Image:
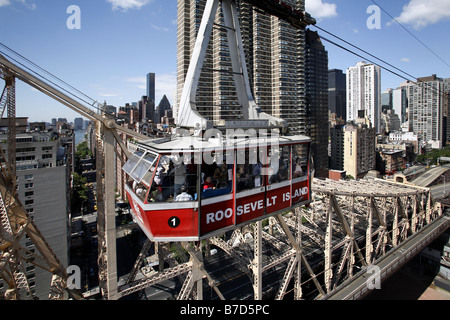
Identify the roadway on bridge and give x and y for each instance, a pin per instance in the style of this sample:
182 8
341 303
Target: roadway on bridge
430 176
358 287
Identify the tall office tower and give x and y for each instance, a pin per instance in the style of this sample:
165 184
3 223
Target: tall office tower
146 109
337 93
78 124
151 95
364 92
275 62
426 101
386 100
400 102
316 79
160 111
151 86
43 180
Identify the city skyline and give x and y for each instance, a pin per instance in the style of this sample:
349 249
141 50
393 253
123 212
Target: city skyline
119 43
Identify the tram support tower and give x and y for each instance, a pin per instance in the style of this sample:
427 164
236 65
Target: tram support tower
106 217
253 117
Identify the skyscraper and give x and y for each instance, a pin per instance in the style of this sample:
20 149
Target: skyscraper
316 78
337 93
43 187
426 100
151 97
400 102
151 86
364 92
275 63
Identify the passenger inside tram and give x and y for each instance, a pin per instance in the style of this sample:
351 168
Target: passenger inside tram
279 164
218 177
208 184
300 165
243 177
297 168
171 176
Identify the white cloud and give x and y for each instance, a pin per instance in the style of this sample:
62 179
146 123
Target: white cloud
141 82
160 28
31 6
420 13
166 85
4 3
108 95
318 9
405 60
124 5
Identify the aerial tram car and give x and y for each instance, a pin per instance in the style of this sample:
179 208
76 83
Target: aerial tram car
209 178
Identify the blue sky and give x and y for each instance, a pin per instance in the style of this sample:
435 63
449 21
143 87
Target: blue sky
120 41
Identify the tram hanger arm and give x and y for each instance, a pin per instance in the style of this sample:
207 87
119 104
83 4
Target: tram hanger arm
285 12
67 101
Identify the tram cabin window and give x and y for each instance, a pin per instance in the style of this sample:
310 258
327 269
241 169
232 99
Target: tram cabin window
299 160
172 175
140 190
139 164
279 164
249 170
217 177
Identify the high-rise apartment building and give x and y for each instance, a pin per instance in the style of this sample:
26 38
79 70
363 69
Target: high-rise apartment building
426 100
353 147
446 108
364 92
316 79
43 182
275 60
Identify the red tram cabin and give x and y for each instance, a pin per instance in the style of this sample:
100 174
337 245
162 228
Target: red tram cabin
199 190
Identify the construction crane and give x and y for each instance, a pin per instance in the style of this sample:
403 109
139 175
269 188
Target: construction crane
15 222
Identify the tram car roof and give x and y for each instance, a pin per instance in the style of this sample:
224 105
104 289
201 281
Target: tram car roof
236 141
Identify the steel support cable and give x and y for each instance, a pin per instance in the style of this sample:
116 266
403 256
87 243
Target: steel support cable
43 78
414 36
366 52
437 90
38 75
47 72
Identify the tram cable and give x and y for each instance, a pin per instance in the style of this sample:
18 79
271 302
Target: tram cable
366 52
93 104
413 35
415 81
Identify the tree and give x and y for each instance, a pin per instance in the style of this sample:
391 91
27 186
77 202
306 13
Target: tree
80 186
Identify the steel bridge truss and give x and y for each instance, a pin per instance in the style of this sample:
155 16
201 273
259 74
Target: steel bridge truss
345 230
16 224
